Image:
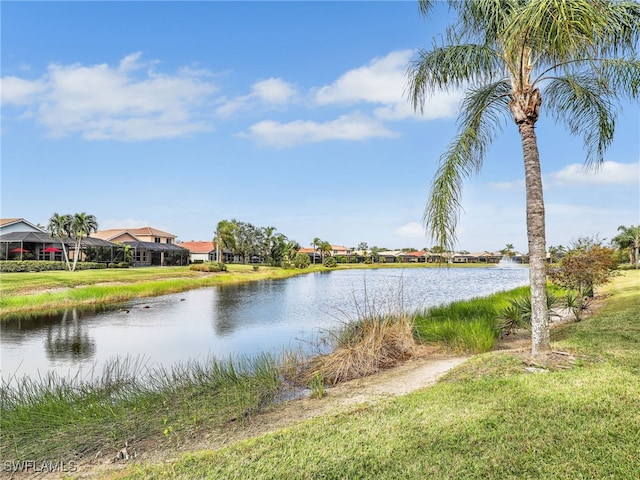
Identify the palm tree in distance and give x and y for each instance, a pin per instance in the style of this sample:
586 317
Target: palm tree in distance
316 244
629 238
59 227
81 225
509 55
325 249
224 238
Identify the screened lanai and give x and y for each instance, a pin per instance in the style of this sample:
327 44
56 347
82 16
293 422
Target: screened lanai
154 253
41 246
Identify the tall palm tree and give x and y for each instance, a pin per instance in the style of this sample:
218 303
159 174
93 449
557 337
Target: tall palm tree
629 238
325 249
59 227
578 55
316 244
225 237
81 225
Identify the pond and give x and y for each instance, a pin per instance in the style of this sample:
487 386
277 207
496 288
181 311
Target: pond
251 318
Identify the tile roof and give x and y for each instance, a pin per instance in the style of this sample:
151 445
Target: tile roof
8 221
198 247
146 231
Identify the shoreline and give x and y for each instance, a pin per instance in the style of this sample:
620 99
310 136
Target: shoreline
37 293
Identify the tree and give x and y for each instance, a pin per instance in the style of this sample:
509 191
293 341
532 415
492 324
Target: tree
224 237
578 55
556 252
81 225
59 227
586 264
629 239
508 250
316 244
325 249
292 250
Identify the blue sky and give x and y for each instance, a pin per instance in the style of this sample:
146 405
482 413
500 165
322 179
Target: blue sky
177 115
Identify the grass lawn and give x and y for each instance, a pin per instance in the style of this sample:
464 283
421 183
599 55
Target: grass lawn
495 417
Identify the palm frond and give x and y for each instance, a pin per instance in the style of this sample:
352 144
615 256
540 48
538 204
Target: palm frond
621 76
483 114
583 104
558 30
449 67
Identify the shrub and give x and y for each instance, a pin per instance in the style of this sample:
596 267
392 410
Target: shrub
330 262
586 265
517 314
301 260
9 266
209 267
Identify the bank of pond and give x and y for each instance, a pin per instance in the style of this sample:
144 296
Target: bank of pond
74 414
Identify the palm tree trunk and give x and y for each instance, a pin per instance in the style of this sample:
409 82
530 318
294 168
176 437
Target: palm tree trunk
540 339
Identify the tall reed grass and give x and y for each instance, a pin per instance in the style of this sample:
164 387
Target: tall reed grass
468 326
74 417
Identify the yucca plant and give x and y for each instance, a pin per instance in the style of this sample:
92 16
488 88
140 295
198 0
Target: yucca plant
517 315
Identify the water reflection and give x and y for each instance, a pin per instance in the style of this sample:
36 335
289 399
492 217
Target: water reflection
67 340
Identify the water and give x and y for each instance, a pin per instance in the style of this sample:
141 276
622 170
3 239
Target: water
266 316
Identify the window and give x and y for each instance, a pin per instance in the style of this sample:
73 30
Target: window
140 256
168 240
157 240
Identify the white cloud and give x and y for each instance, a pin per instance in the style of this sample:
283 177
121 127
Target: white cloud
383 81
347 127
609 174
127 103
18 91
270 92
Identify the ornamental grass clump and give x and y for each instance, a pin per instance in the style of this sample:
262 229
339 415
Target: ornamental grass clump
364 347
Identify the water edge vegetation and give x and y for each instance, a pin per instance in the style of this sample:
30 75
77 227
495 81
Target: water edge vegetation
33 292
572 415
54 417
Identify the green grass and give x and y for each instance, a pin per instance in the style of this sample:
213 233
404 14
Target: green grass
39 292
68 418
488 419
35 292
468 326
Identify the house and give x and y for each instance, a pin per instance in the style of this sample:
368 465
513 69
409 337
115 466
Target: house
314 256
389 256
415 257
10 225
200 251
22 240
340 250
149 246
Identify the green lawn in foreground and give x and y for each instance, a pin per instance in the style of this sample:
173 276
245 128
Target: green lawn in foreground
488 419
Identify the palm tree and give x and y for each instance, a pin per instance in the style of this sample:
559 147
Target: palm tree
81 226
325 249
629 238
316 244
269 234
224 237
578 55
59 227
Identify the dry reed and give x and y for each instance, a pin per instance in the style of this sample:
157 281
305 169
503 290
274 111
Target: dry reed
364 348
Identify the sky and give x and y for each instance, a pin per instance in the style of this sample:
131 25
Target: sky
177 115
